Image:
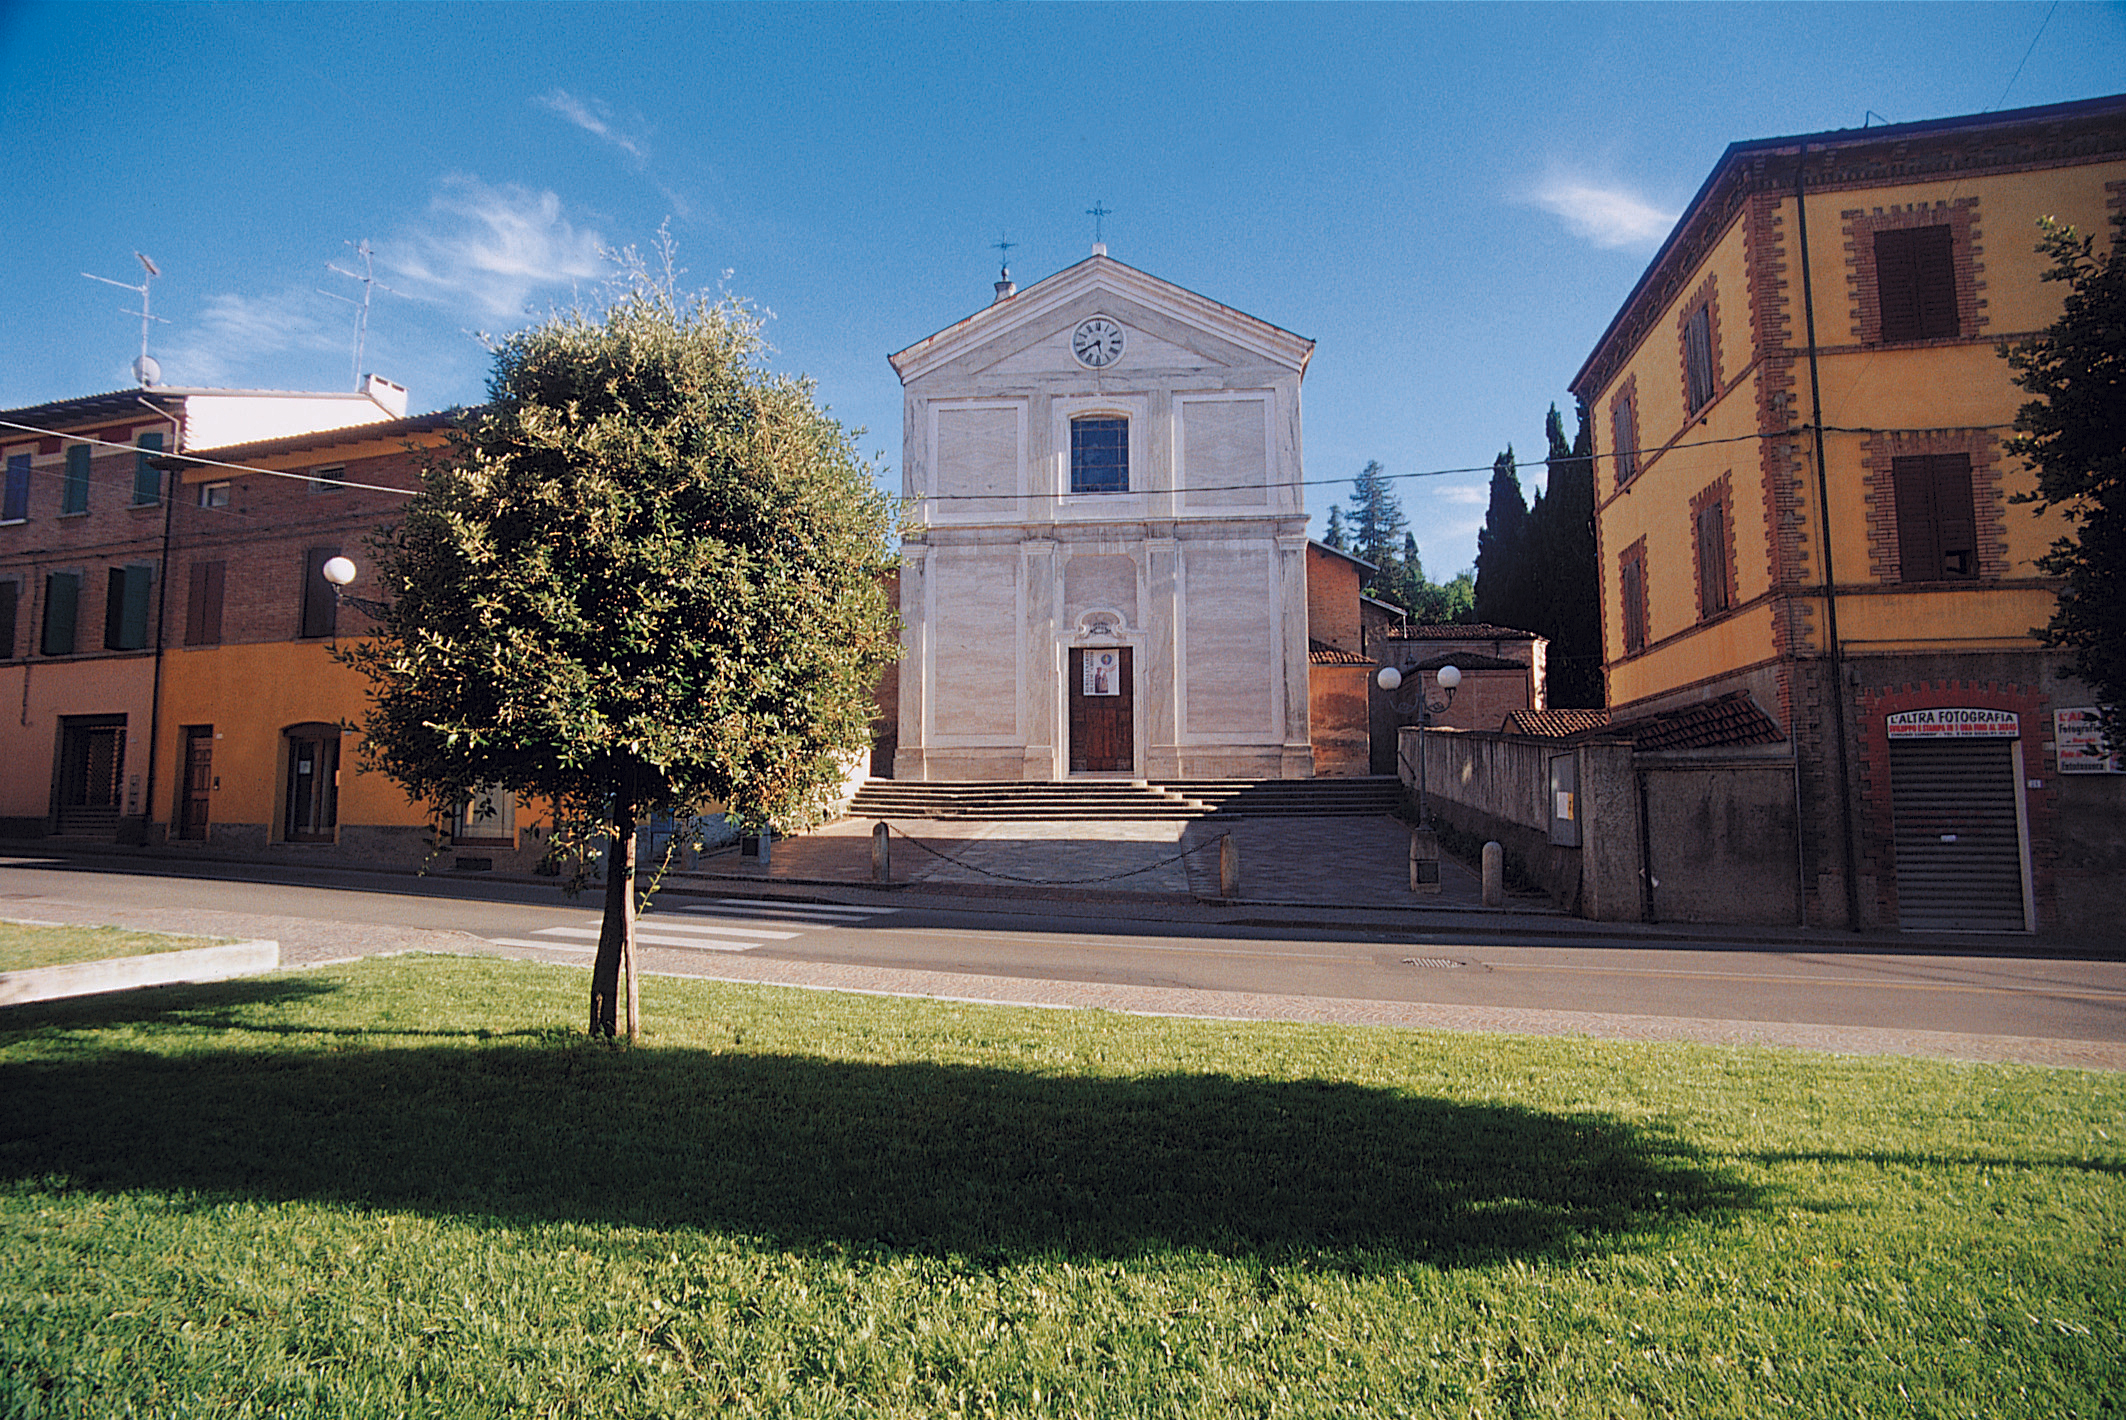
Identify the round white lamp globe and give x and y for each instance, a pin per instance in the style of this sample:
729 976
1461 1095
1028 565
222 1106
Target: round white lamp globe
339 571
1449 677
1389 678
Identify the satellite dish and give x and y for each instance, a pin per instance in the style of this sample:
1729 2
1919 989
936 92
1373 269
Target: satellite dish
147 371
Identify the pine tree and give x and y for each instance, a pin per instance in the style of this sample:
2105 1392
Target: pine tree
1377 524
1334 535
1571 613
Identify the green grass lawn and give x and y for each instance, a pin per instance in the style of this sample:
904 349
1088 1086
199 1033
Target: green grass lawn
412 1187
24 945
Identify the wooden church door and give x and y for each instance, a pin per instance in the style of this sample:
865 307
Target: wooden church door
1102 711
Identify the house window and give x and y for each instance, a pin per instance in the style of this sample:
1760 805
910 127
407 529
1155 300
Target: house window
1099 455
1624 429
313 805
125 607
1937 525
74 492
321 605
1713 594
328 480
489 816
214 495
10 598
1631 583
147 479
15 501
1915 283
203 605
1700 378
62 599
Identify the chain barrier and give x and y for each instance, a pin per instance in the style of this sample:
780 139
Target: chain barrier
1048 882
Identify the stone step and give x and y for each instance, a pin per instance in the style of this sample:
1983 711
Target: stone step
1095 801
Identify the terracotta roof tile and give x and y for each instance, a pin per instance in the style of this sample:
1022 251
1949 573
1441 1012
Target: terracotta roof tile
1321 653
1481 631
1555 724
1729 720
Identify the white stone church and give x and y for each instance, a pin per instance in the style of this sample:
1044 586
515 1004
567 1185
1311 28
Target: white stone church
1104 572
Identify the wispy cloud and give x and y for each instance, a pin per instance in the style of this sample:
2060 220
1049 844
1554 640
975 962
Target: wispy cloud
595 118
246 340
493 248
1608 216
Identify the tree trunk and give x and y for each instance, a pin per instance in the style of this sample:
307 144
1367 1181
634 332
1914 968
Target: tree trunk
616 935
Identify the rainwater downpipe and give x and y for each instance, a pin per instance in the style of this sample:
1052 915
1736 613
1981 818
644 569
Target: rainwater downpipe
1830 579
162 617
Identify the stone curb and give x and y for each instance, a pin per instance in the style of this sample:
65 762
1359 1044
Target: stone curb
91 978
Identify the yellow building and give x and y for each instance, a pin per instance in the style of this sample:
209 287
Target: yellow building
1802 494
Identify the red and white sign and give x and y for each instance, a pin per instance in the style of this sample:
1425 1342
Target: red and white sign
2081 742
1955 724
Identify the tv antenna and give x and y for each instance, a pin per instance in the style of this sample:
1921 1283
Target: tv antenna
367 276
145 369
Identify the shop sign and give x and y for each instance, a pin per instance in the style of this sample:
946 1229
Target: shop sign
1955 724
2081 740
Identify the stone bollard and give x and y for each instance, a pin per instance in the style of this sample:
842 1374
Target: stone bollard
1228 866
1424 860
1494 875
881 853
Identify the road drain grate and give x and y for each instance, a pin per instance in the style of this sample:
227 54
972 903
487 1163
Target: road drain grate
1432 961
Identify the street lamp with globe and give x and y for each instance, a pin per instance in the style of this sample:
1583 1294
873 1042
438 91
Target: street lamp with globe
1411 700
340 572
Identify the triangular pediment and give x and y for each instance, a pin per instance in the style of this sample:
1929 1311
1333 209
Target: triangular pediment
1166 325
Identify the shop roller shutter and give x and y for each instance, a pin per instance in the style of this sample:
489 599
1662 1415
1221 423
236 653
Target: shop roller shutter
1959 854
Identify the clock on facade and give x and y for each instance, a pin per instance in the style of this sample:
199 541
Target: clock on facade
1097 342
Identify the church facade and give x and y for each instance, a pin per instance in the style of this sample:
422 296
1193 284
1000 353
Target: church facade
1104 565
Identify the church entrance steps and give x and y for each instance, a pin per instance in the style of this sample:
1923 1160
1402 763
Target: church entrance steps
1111 801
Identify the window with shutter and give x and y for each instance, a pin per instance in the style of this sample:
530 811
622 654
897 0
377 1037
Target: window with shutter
15 502
1698 358
1624 428
10 594
147 479
125 607
1915 283
320 606
62 600
203 606
1712 559
1937 525
74 493
1632 583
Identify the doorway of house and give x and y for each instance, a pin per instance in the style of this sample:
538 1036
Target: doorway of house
195 794
91 767
1958 836
1102 711
313 784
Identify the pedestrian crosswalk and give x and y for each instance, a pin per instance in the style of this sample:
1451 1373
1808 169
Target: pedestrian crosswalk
730 924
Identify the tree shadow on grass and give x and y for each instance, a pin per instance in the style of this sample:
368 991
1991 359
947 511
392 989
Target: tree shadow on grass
803 1152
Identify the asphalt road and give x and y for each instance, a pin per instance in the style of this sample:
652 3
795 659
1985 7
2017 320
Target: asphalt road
1365 967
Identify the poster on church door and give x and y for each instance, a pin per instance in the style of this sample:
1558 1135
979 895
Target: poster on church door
1103 673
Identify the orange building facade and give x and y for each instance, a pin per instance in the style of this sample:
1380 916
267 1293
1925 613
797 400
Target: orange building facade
1802 493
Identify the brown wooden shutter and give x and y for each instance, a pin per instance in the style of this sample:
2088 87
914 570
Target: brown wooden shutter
1937 529
8 593
1915 283
1712 559
320 607
203 609
1698 357
1633 584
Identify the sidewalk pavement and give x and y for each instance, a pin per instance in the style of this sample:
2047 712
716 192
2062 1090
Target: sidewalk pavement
1358 863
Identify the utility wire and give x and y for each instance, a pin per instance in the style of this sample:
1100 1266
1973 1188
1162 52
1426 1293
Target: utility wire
206 462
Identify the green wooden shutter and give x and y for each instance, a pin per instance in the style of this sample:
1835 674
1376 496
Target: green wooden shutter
147 479
75 498
62 598
9 591
15 503
125 608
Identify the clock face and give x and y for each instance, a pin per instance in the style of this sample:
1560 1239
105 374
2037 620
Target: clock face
1097 342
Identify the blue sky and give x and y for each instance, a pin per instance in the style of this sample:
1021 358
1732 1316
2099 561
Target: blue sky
1451 200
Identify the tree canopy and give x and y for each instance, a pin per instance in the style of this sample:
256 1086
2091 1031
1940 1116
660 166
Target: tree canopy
645 577
2073 434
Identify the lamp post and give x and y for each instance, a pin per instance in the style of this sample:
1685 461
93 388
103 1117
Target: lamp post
1412 701
340 571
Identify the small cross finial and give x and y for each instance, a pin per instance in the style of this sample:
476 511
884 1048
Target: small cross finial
1004 247
1098 211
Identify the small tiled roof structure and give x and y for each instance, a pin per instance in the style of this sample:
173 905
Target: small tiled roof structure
1321 653
1555 724
1724 722
1477 631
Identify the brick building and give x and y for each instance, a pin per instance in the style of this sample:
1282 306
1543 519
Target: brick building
1802 497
